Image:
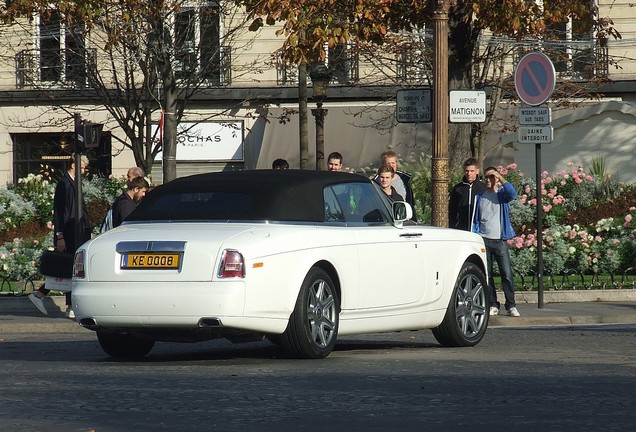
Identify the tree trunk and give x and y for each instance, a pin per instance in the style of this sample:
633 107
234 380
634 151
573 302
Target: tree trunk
169 158
302 116
462 44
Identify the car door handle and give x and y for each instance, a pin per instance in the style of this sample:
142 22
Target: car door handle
411 235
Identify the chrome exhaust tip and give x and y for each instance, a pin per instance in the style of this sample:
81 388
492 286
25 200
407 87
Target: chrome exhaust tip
210 323
88 323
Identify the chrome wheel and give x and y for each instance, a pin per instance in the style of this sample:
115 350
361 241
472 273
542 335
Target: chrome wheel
321 313
466 318
471 306
313 326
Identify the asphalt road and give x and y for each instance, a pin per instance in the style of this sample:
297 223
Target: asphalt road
558 378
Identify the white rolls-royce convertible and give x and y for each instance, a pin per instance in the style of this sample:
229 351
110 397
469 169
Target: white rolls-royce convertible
296 257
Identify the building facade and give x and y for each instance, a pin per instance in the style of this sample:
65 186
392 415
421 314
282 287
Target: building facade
243 112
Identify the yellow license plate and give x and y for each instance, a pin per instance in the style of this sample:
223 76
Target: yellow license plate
150 261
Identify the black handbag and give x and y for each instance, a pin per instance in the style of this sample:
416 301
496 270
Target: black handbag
57 264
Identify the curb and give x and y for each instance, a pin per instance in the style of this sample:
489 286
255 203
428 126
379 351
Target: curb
21 305
505 321
573 296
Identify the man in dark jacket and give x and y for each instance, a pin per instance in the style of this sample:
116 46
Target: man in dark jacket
64 224
462 197
129 199
401 180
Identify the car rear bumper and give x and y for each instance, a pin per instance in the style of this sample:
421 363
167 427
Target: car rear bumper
168 305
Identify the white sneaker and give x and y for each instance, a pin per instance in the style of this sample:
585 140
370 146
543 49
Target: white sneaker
494 311
69 312
513 312
38 303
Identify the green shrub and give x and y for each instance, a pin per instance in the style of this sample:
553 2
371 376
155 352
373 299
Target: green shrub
606 246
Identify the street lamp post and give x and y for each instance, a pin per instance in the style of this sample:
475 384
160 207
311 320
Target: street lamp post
320 78
440 169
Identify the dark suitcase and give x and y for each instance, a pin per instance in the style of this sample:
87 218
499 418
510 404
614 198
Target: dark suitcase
57 264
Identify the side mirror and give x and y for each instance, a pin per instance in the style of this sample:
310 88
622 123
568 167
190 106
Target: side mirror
401 211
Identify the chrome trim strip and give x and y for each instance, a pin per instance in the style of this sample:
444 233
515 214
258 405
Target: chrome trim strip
150 246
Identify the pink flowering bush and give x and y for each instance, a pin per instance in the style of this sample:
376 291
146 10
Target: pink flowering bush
607 246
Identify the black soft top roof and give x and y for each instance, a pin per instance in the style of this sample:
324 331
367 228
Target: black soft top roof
276 195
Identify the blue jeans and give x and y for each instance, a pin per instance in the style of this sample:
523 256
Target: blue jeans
497 250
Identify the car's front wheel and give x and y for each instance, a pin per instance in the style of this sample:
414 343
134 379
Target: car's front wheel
466 318
124 345
313 326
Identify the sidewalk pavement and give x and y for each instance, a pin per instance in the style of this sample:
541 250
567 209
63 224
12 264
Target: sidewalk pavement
18 315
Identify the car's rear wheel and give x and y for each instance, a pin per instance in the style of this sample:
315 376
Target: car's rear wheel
124 345
313 326
466 318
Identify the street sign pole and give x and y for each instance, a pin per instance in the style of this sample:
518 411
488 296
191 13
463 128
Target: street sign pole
535 80
539 271
77 155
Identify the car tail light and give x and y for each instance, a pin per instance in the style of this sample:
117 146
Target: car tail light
232 265
78 265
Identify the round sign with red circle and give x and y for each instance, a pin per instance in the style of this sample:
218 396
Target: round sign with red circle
535 78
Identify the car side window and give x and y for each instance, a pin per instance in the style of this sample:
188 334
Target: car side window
361 203
333 211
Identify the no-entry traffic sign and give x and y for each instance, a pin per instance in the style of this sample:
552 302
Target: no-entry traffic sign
535 78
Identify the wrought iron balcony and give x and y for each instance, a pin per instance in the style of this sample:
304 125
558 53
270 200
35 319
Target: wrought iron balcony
343 64
54 68
574 60
66 69
216 70
414 67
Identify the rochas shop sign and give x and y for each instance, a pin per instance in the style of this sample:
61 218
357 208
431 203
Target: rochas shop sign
209 141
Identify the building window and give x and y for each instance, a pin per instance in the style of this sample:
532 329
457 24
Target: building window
573 49
198 51
342 61
50 154
414 57
286 72
60 56
62 51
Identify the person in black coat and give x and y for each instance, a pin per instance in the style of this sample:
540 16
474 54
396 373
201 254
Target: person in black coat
64 224
462 198
129 199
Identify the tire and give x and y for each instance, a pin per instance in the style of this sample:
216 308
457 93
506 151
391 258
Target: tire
124 345
275 339
313 326
466 318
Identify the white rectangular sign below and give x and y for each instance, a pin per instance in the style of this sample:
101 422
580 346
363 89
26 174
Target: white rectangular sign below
467 106
535 134
58 284
535 116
